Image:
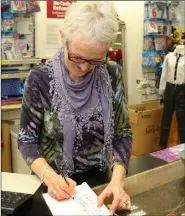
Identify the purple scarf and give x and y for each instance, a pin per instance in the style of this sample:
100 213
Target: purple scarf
81 100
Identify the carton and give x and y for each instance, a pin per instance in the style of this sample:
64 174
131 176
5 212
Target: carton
145 120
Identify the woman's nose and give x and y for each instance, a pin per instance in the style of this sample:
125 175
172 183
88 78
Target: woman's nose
85 66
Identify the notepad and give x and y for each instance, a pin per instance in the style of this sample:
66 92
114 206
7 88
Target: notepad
84 203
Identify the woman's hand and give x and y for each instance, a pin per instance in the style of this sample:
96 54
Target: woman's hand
58 188
121 199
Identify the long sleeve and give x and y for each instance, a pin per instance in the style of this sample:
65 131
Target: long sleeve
122 144
31 120
163 80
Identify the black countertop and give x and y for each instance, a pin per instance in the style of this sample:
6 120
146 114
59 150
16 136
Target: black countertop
37 206
144 162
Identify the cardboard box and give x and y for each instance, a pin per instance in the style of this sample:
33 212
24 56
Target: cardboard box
145 120
173 139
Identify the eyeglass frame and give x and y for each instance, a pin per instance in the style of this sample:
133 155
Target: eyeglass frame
104 62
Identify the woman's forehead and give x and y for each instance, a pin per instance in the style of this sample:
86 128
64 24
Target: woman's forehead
86 47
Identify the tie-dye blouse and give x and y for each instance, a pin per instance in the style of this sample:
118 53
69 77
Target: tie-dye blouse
41 134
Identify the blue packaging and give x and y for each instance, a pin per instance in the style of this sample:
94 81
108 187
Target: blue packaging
7 23
149 58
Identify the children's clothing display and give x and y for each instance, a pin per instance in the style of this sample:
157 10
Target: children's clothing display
172 86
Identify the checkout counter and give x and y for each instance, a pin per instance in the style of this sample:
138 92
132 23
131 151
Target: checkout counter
153 185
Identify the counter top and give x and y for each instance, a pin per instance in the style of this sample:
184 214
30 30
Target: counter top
138 167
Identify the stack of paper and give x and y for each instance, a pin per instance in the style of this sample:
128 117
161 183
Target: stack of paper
84 203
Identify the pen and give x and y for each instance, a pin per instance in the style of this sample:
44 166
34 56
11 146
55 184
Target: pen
63 176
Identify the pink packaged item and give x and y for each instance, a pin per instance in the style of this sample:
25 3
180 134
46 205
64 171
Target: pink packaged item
151 27
149 43
153 11
18 7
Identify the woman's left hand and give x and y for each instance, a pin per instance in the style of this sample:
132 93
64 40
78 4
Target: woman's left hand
121 199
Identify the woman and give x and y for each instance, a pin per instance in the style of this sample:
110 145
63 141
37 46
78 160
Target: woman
74 119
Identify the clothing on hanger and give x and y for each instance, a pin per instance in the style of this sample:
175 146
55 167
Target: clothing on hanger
173 70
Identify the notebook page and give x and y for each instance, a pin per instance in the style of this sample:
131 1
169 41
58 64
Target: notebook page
84 203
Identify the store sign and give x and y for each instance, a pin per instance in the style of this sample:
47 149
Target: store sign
57 9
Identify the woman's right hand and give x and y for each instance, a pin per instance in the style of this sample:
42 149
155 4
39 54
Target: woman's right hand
58 188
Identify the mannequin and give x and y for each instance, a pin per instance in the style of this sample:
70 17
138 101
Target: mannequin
172 89
180 48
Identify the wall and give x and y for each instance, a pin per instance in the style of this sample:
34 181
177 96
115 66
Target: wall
182 14
47 37
131 12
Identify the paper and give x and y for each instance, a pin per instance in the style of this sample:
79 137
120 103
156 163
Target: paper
21 183
84 203
169 154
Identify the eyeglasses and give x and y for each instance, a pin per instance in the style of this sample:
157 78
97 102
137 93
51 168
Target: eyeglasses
82 60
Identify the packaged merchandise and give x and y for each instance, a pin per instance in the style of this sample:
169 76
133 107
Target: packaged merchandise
160 26
5 5
149 58
7 44
21 46
150 27
172 12
160 42
161 11
32 6
164 31
18 7
156 10
153 12
7 25
149 43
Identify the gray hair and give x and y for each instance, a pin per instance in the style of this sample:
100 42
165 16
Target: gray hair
92 19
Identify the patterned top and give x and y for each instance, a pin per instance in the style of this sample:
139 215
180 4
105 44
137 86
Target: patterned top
41 134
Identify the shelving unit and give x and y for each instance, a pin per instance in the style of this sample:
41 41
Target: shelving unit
158 20
21 62
16 75
120 43
23 67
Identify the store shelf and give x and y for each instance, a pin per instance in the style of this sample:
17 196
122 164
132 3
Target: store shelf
15 75
117 44
11 107
154 34
19 62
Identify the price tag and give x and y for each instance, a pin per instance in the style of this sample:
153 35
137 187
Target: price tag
4 76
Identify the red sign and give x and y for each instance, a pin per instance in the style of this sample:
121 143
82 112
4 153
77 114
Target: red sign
57 9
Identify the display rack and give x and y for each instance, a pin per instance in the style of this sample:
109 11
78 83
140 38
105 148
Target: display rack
23 67
21 62
158 20
15 64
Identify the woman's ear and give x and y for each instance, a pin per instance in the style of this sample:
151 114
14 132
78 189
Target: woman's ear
62 36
